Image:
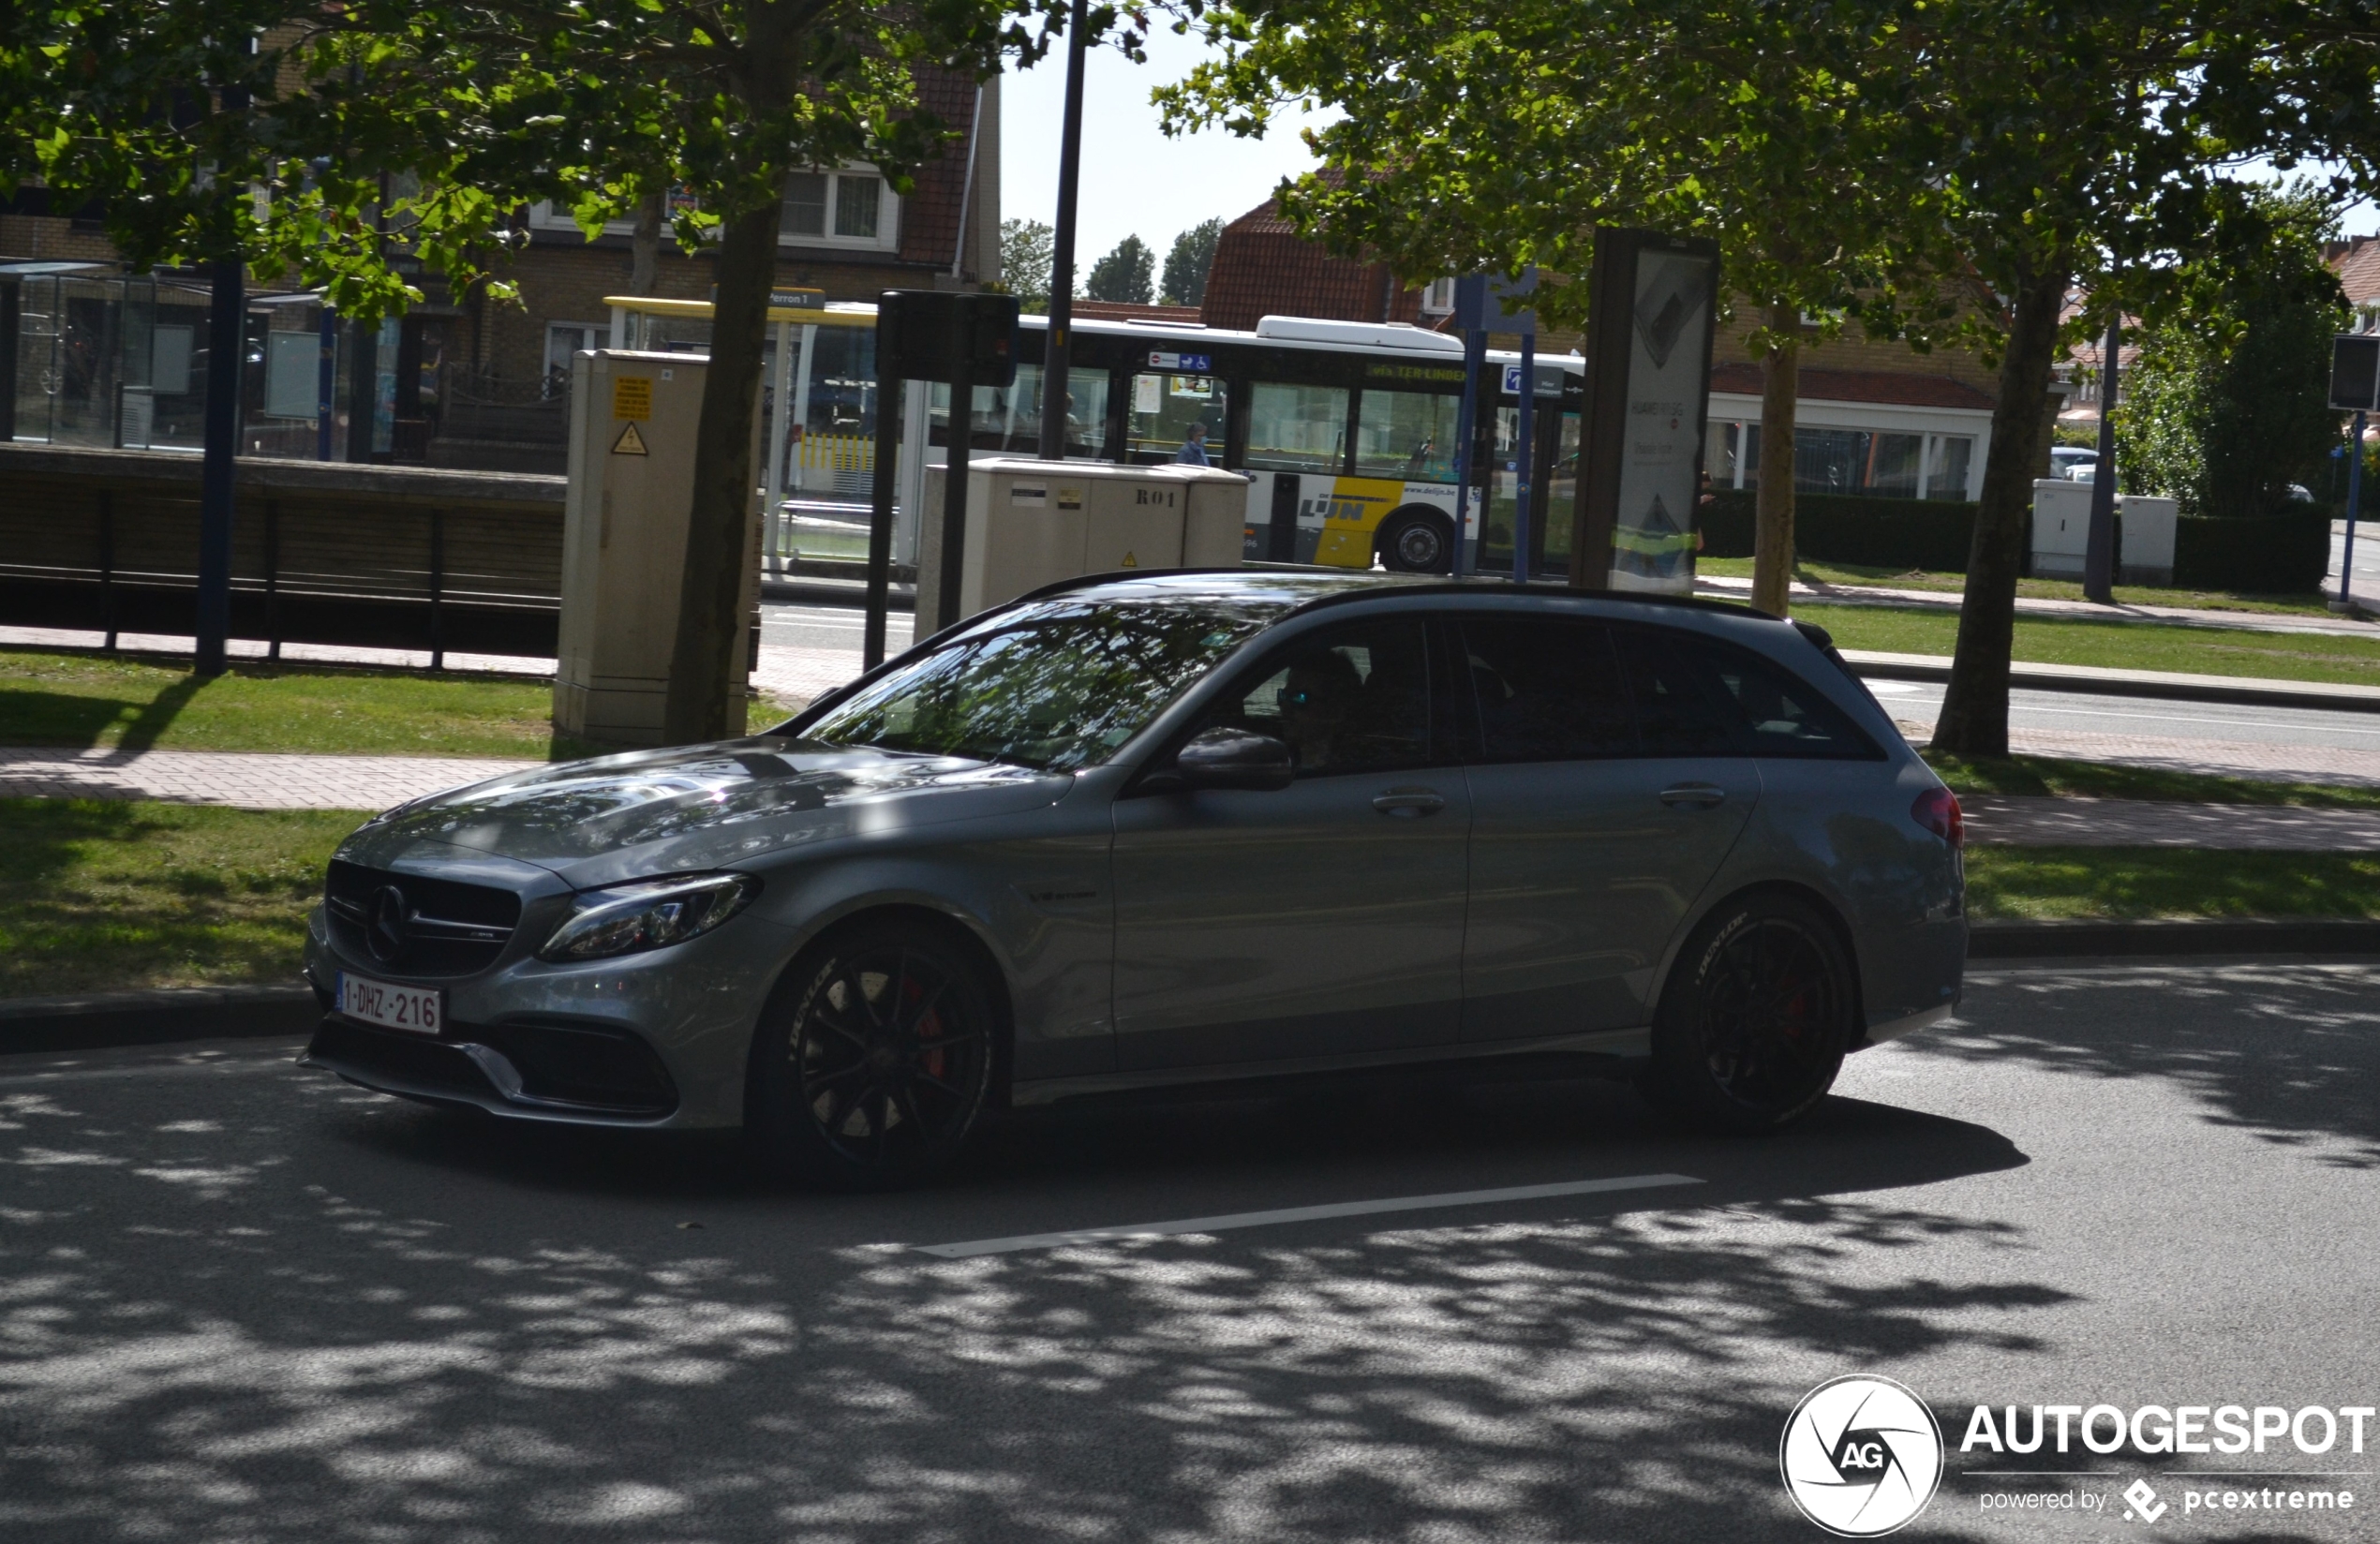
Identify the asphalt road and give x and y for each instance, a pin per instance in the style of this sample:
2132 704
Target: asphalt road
240 1300
2081 712
818 625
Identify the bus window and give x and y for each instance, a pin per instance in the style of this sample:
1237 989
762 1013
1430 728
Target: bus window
1405 435
1162 409
1007 419
1297 428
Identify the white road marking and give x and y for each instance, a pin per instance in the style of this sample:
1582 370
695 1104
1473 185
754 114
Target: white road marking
1299 1214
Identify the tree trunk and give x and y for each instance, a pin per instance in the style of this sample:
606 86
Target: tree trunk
645 247
710 612
1974 717
1773 506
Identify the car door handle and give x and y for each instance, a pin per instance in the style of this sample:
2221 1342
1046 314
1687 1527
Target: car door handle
1703 795
1410 803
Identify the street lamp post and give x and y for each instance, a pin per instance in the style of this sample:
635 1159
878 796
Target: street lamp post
2355 504
1062 263
2099 549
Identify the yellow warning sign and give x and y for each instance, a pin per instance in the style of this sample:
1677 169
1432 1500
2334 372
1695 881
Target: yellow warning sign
630 443
632 396
1130 561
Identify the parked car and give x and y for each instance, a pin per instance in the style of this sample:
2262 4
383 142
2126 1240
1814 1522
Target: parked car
2073 462
1159 829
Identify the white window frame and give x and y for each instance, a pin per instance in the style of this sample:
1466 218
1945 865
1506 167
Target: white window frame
888 236
546 216
1875 418
1437 298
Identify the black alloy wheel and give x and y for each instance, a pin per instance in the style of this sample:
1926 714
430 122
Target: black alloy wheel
875 1071
1756 1019
1418 543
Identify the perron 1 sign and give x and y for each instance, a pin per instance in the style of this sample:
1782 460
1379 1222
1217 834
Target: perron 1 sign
1648 371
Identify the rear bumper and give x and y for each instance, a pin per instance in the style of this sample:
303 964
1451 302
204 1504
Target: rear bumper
569 1073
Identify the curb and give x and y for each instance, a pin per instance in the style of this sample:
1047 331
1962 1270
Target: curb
103 1020
2245 690
2173 936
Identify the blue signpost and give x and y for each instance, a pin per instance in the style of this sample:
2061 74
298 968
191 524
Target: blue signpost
2355 387
1470 318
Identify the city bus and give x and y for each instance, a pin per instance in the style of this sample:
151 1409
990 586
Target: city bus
1345 430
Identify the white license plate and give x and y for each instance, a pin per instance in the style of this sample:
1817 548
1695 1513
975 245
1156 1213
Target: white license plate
417 1009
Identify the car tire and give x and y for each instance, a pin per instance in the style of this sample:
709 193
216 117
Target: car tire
873 1060
1753 1024
1420 543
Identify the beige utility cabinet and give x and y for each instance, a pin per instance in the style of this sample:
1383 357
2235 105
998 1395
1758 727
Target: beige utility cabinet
1033 523
624 525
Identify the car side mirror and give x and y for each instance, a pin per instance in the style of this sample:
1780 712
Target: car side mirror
1233 758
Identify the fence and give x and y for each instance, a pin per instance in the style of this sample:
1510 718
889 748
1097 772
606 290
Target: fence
323 553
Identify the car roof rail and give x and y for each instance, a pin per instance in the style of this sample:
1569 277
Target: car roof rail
1475 585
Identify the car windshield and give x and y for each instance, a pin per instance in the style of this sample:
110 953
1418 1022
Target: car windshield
1056 685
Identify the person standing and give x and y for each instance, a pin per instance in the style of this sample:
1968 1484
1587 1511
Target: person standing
1194 446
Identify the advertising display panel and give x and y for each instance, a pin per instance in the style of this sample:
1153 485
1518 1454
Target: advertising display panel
1648 388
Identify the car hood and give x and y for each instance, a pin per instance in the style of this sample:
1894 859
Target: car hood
697 807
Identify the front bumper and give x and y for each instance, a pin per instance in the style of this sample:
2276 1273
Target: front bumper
659 1039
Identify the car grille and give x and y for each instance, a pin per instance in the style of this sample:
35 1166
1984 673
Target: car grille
447 927
583 1069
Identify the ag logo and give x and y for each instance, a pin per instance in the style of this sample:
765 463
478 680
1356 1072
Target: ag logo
1861 1456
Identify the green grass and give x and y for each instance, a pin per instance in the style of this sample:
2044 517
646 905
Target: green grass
2124 645
2048 882
94 699
110 894
2049 777
1860 574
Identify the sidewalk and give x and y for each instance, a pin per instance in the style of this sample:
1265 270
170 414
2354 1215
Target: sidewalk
2113 681
1723 589
1999 820
238 779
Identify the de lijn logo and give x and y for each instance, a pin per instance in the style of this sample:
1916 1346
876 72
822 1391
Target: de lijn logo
1861 1456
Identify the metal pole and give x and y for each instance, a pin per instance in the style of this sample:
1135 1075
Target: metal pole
2099 548
1062 263
2355 505
953 477
225 347
879 521
1466 425
1527 464
326 384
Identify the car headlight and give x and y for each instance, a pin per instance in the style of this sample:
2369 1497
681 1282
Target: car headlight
651 914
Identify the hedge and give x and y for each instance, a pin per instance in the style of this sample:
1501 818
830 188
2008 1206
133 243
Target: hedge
2271 554
2262 555
1933 534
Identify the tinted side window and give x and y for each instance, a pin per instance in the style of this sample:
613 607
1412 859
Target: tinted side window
1701 697
1677 709
1352 699
1548 688
1779 713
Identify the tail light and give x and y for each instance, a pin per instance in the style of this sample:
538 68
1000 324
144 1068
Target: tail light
1936 810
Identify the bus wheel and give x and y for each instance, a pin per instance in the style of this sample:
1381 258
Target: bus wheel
1420 543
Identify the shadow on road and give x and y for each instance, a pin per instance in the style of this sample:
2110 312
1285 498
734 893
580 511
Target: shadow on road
274 1308
2289 1052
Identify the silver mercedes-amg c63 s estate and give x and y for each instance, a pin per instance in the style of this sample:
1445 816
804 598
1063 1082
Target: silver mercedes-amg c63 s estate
1155 829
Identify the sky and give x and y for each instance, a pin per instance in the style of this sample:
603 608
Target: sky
1135 179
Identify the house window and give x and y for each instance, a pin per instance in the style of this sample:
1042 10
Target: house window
1437 298
850 208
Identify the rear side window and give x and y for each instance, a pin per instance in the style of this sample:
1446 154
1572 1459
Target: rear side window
1548 688
1723 700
